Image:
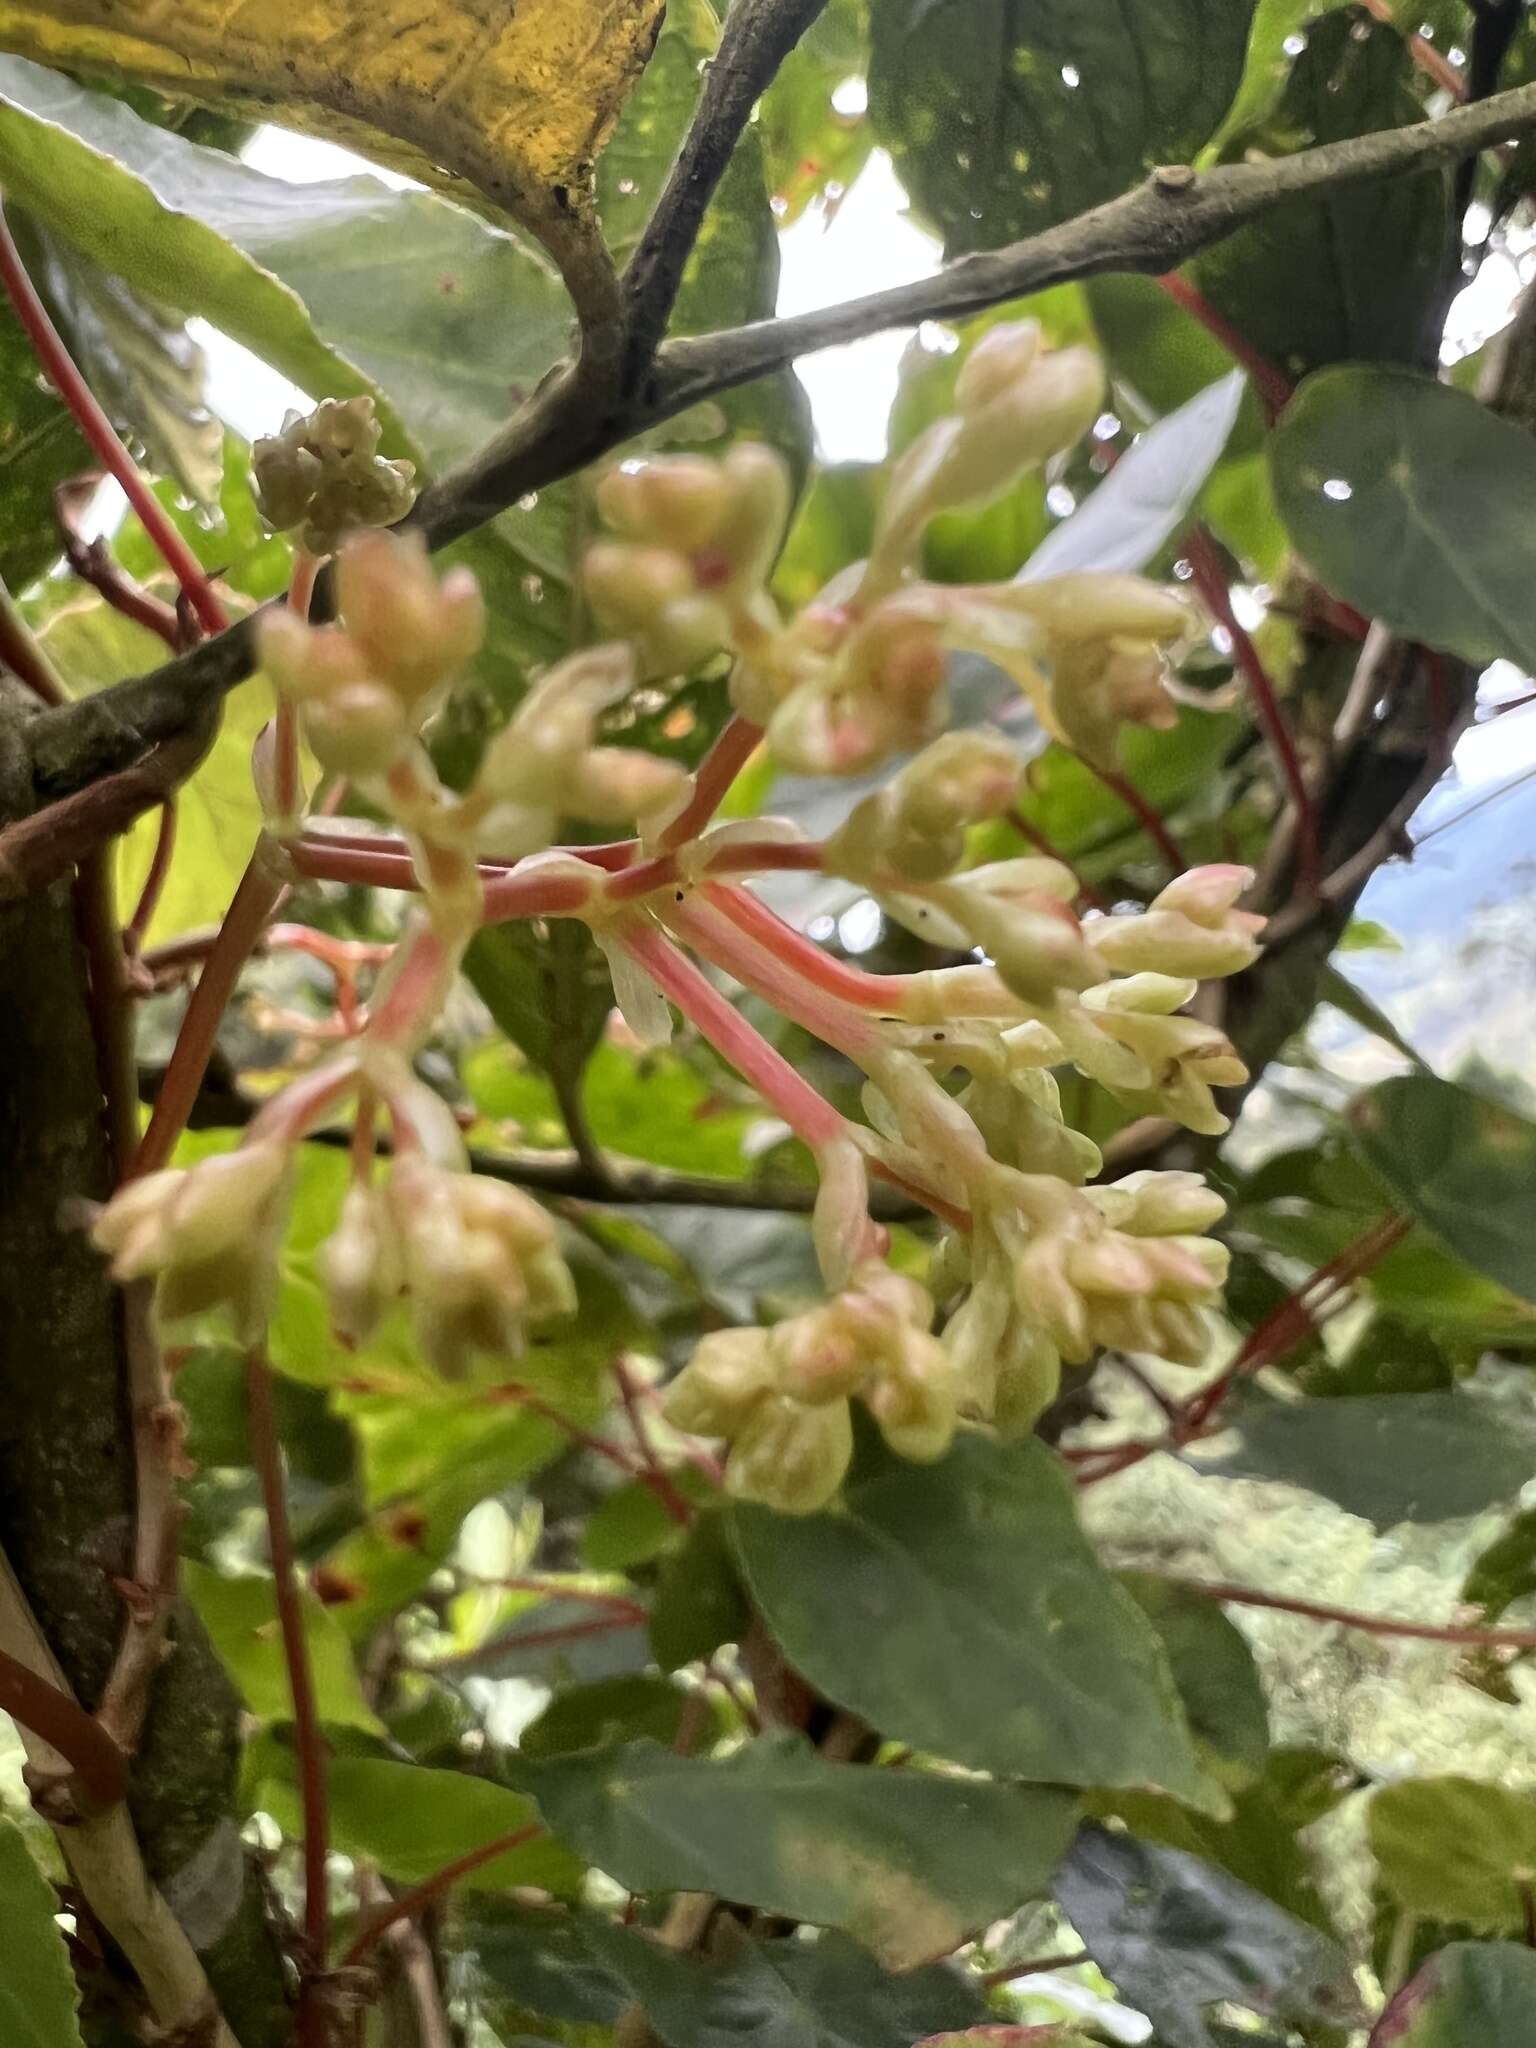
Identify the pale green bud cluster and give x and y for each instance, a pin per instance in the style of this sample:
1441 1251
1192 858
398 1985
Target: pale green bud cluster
915 826
208 1235
365 686
1193 927
780 1397
324 476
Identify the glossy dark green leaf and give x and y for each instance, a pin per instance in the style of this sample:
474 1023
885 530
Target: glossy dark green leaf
747 1261
699 1603
411 1821
775 1994
1456 1850
783 1994
1355 273
1413 503
1470 1995
39 1999
910 1863
550 996
1175 1936
1007 115
607 1710
1212 1666
1002 1641
1464 1166
1387 1457
40 448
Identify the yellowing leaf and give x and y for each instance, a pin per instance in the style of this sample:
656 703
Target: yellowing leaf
513 98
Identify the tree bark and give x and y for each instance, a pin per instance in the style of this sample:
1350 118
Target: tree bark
66 1447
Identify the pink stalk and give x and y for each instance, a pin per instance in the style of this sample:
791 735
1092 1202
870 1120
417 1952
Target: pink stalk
60 370
154 881
808 1114
733 748
762 970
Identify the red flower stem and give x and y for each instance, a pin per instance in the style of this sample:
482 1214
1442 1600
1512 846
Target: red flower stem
309 1741
1039 841
1369 1624
734 746
254 900
807 1113
93 423
1145 813
414 1901
764 970
154 880
1211 582
1274 388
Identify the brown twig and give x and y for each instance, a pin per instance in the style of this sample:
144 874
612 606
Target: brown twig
309 1740
94 563
1151 230
98 1767
1033 1966
629 1614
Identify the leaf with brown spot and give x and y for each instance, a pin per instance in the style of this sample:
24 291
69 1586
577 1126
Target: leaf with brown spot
511 101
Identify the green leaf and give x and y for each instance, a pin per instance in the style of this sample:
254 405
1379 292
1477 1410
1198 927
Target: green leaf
1005 116
909 1863
1176 1935
1355 273
699 1602
1387 1457
1470 1995
1004 1644
1456 1850
1465 1167
747 1261
170 217
39 2000
774 1994
550 996
412 1821
142 364
608 1710
240 1615
40 448
1148 495
1413 503
809 145
1212 1666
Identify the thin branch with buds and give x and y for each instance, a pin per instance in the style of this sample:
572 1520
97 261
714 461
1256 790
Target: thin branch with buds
1150 230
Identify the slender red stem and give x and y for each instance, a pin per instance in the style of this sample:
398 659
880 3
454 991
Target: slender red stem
1424 54
1145 813
412 1902
309 1741
93 423
661 1479
1032 1966
253 902
154 880
1211 582
20 653
539 1639
1369 1624
733 748
1274 388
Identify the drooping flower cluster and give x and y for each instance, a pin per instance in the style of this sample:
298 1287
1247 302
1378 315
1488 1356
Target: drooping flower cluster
1038 1264
323 475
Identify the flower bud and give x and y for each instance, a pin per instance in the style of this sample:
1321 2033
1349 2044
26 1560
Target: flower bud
617 785
729 1373
207 1233
1037 947
916 1407
790 1457
479 1261
1192 928
1002 356
1157 1204
359 1264
324 475
413 631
